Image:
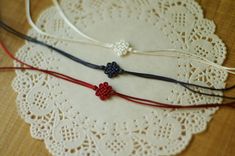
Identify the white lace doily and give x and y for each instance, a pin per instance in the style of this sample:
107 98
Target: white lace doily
71 120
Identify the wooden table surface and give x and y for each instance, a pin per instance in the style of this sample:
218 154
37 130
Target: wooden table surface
15 139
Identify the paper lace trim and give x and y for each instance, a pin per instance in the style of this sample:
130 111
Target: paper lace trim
65 127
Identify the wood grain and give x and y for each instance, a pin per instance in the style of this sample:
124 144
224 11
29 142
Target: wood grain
15 139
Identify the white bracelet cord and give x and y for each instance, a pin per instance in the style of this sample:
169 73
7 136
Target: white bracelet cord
122 47
35 27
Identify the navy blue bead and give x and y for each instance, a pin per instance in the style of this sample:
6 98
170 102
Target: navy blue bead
112 69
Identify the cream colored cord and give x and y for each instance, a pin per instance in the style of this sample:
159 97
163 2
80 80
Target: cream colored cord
99 43
122 47
183 54
35 27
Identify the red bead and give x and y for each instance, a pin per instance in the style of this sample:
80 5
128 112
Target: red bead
104 91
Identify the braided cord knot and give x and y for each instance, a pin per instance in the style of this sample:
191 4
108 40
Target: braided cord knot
112 69
104 91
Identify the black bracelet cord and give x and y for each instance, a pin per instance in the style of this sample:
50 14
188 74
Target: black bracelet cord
113 69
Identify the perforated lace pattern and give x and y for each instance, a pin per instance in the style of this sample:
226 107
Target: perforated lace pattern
67 129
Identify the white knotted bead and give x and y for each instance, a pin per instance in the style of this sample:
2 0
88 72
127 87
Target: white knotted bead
121 48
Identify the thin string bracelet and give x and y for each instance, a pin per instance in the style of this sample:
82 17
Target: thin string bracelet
108 69
122 48
104 91
113 69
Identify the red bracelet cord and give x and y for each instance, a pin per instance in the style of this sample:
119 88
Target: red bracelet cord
104 91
